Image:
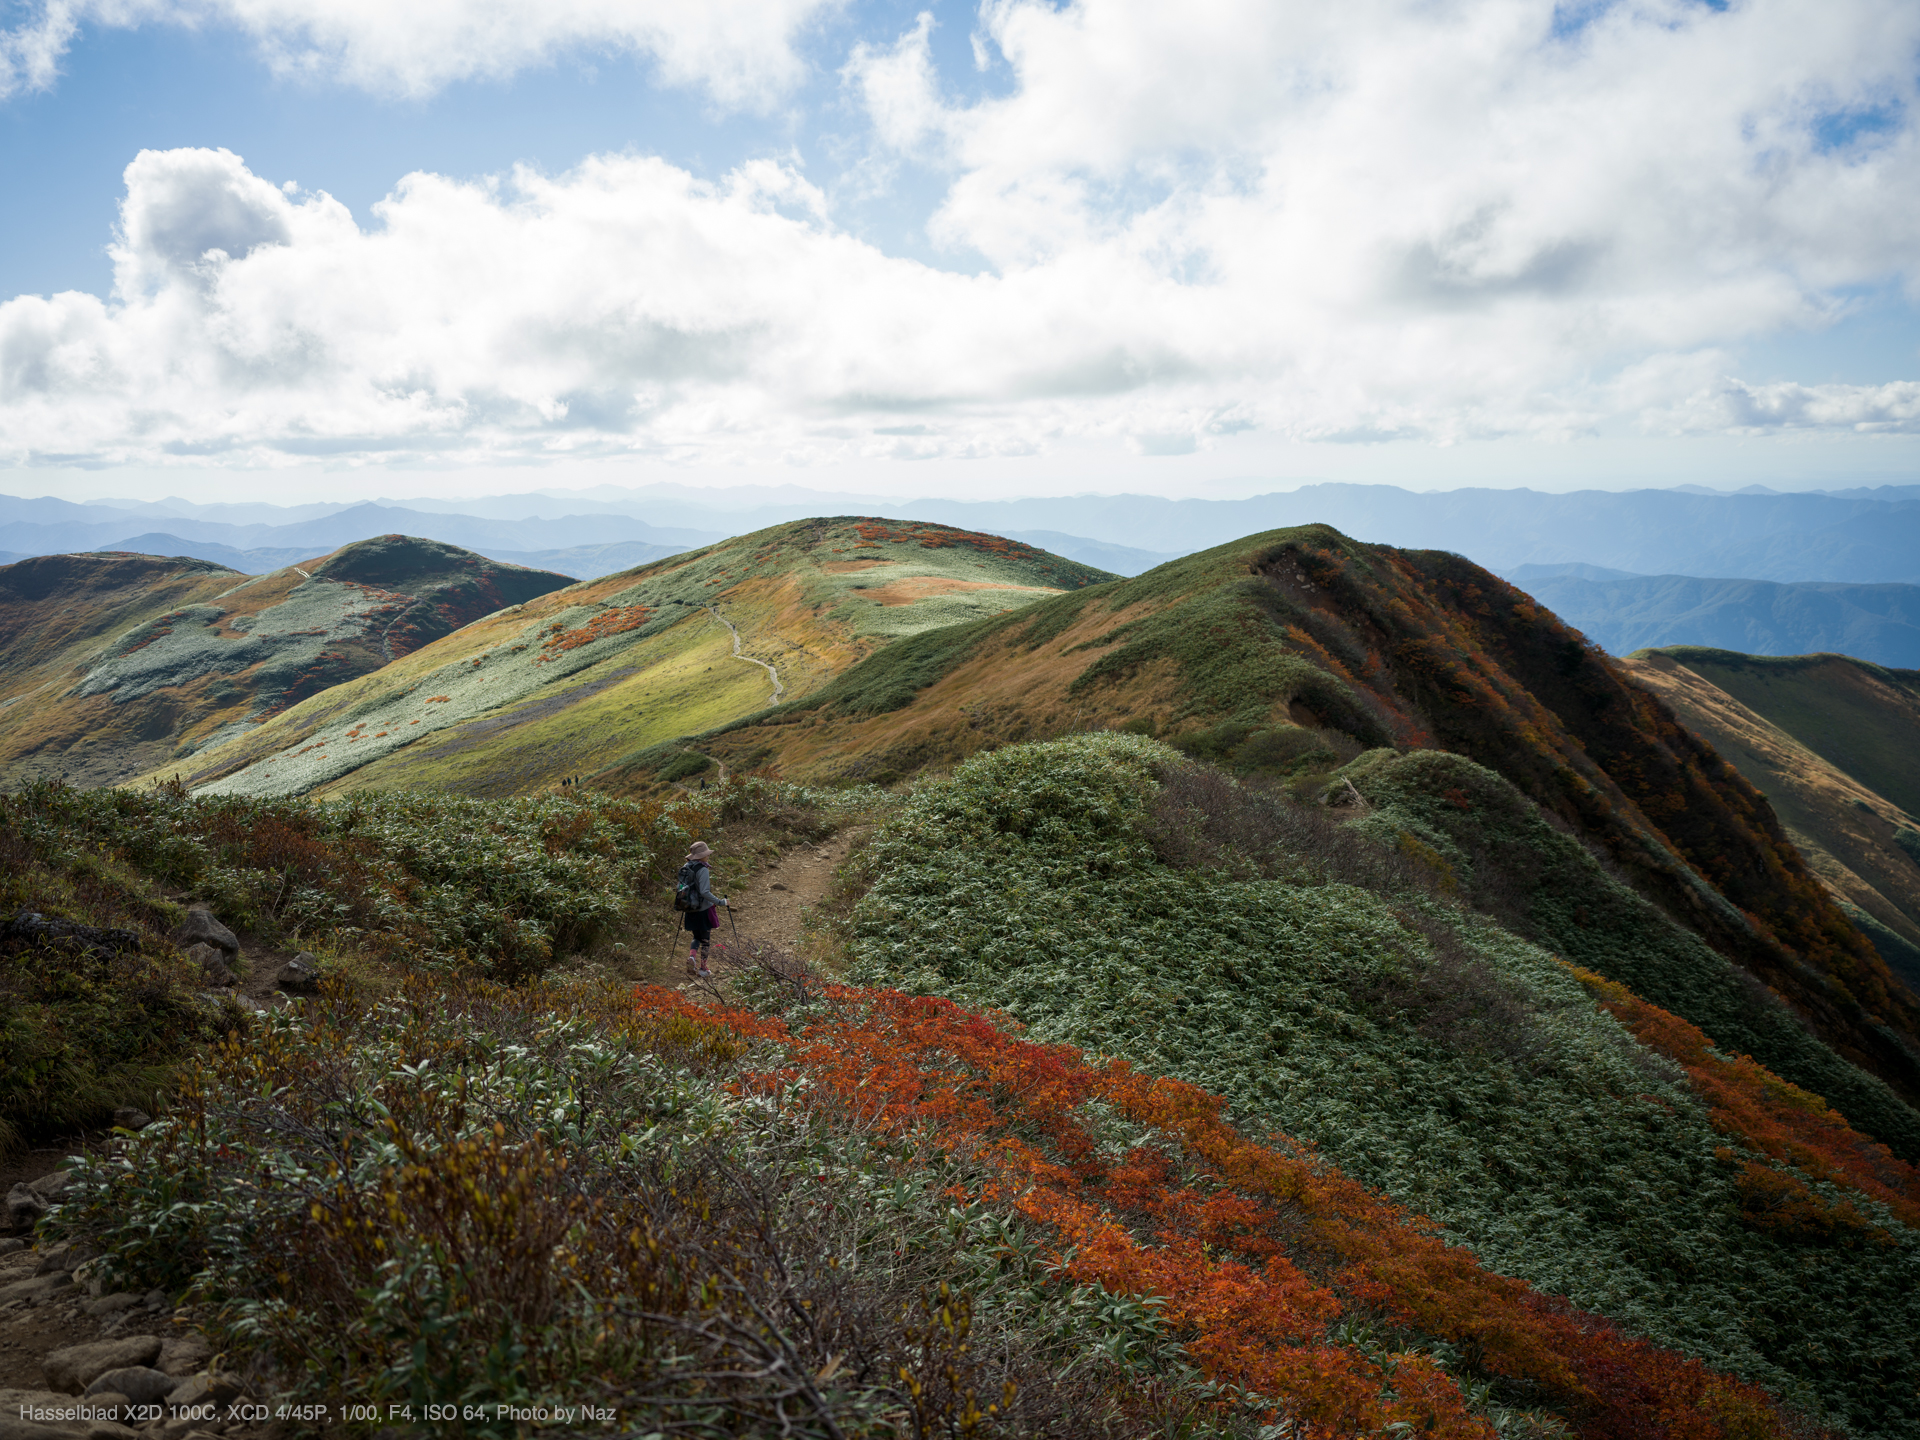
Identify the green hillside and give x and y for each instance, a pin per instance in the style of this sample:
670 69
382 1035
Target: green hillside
477 1170
1329 981
569 682
1862 845
1287 654
1861 718
113 664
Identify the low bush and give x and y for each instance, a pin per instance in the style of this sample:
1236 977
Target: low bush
1326 986
502 887
558 1197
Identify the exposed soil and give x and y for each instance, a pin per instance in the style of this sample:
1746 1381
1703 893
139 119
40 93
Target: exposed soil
772 903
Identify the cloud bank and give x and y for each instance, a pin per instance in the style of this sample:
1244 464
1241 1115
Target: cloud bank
1387 219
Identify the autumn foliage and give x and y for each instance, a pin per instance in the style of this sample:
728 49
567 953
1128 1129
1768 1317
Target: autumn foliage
1257 1252
1766 1114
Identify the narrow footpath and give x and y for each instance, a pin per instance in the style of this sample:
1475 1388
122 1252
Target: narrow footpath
779 688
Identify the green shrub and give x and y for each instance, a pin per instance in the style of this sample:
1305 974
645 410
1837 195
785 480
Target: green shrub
1425 1051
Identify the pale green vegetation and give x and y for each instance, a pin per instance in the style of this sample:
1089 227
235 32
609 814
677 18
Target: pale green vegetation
1109 894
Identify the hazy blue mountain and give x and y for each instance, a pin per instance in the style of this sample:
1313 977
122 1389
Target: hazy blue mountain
1120 559
1523 575
1861 537
589 562
1877 623
248 562
92 527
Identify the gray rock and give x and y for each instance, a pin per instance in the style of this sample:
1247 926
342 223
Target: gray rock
211 963
13 1243
112 1304
27 1203
138 1383
185 1354
300 975
202 929
38 1288
128 1118
52 1259
14 1428
158 1300
191 1393
78 1366
110 1408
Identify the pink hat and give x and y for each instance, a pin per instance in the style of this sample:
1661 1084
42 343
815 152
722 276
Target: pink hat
699 851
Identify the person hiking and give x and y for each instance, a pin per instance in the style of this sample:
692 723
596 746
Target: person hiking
693 889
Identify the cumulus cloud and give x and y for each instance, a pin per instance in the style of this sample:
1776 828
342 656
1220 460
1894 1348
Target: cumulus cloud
740 51
1390 219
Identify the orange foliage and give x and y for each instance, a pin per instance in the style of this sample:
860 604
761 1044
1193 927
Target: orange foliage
615 621
1253 1249
1777 1119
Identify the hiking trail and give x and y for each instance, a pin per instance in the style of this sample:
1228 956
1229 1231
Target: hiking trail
779 688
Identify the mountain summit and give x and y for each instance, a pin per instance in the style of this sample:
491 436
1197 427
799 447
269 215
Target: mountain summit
119 663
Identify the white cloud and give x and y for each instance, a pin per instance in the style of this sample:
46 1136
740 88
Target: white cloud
740 51
1388 219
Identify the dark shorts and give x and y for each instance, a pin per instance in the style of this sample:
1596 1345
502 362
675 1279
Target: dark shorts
699 925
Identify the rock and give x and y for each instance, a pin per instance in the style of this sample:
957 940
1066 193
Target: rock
191 1393
8 1246
185 1354
38 1288
202 929
138 1383
78 1366
158 1300
112 1304
14 1428
27 1203
110 1408
128 1118
211 963
54 1259
225 1388
300 975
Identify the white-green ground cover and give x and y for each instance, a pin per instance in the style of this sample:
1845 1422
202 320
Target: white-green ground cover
1425 1050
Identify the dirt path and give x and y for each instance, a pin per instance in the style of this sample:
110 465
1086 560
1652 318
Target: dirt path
779 687
769 906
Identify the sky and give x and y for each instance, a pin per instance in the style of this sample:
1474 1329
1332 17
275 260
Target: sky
302 250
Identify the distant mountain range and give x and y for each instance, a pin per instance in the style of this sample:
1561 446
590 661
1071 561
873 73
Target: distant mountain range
1622 613
1852 537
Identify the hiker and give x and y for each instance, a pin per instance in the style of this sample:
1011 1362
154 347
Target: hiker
693 893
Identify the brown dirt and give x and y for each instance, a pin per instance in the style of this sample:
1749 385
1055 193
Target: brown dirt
772 904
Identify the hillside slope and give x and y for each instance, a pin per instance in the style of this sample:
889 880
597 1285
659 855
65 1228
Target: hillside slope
115 664
573 680
1332 984
1862 844
1291 651
1879 623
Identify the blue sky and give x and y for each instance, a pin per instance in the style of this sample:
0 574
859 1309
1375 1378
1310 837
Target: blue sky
1096 245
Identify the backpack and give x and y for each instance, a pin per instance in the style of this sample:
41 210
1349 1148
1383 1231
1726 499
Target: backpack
686 886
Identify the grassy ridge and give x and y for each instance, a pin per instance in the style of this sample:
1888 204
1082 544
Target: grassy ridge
570 682
1452 1064
1861 717
1286 648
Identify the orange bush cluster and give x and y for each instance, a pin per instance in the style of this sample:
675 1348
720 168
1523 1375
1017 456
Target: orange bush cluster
1778 1119
1254 1250
614 621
